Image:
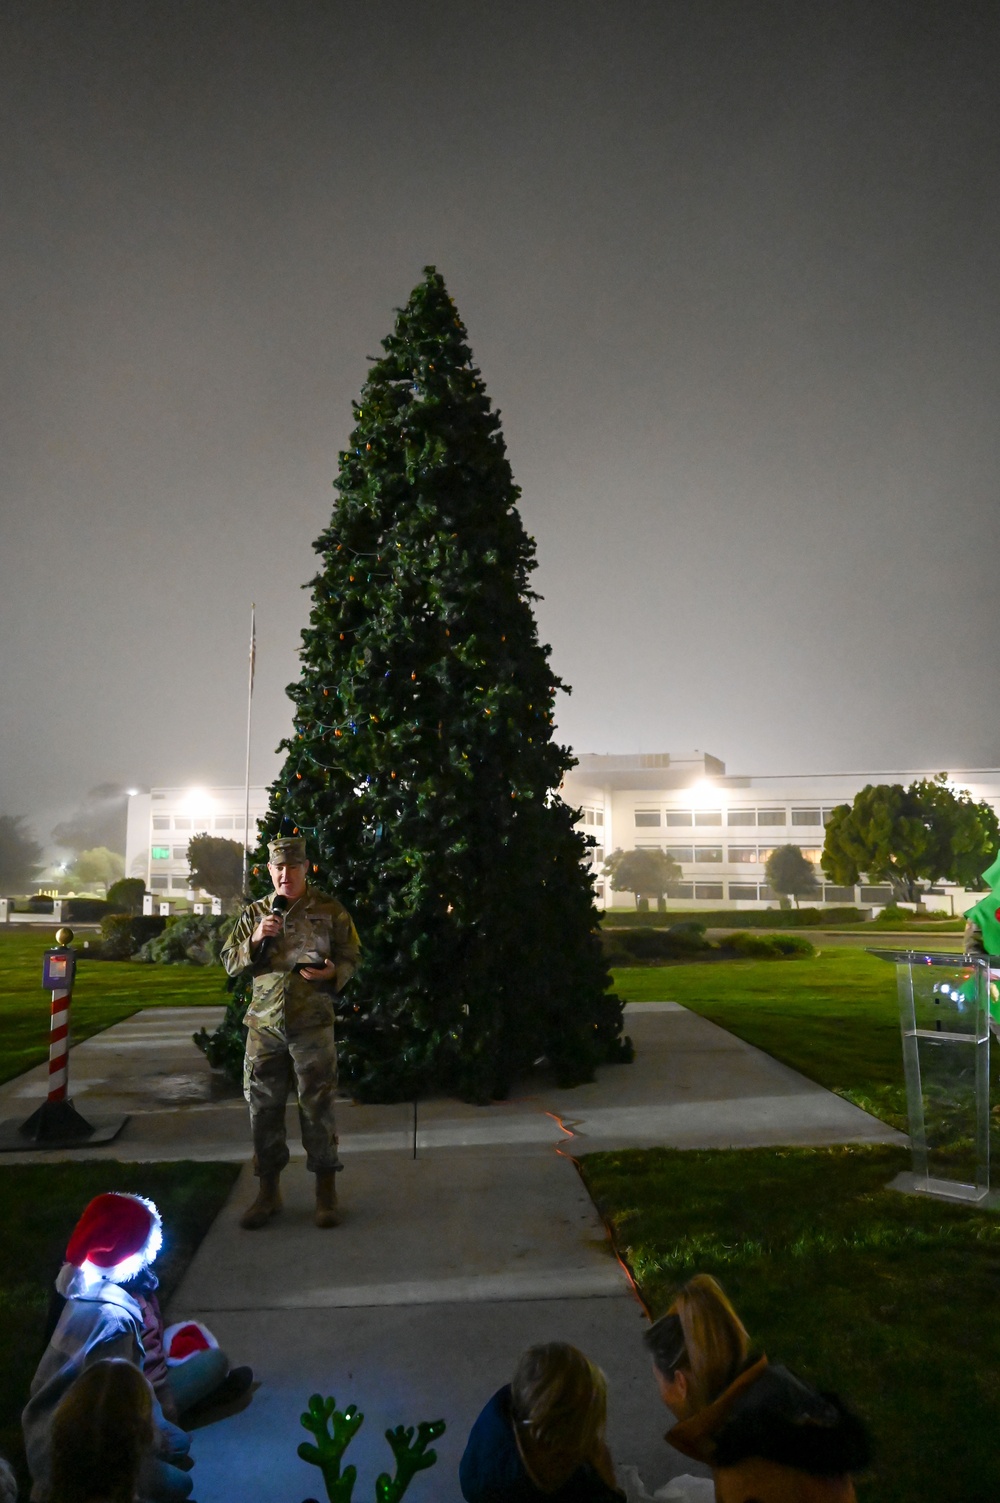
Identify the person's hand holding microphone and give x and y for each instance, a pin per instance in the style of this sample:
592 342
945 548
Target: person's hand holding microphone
270 926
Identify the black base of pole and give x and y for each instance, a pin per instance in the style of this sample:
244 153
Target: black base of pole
56 1119
58 1124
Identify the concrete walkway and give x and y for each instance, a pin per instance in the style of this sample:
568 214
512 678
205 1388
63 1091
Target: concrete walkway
446 1265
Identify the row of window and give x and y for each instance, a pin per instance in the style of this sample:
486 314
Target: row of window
170 884
813 819
742 854
760 892
589 815
186 822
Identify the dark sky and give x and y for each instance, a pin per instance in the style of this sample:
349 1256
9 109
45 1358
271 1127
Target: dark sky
730 271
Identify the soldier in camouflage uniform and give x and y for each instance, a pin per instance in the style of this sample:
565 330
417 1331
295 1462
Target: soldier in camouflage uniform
299 960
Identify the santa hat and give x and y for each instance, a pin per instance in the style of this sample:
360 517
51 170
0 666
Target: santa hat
186 1339
116 1237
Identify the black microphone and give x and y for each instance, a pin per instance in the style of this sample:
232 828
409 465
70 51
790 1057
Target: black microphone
278 905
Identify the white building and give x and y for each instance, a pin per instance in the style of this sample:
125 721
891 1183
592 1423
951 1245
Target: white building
719 828
161 822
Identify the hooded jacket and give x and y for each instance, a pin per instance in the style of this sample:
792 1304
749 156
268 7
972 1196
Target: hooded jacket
99 1320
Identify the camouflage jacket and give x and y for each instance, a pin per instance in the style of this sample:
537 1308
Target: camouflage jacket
282 1000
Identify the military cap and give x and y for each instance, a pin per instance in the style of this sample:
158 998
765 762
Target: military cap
287 850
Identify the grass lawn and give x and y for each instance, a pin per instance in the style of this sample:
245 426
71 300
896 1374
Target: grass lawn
39 1206
834 1017
104 992
886 1298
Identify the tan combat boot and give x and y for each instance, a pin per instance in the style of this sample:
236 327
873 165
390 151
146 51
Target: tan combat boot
326 1199
267 1204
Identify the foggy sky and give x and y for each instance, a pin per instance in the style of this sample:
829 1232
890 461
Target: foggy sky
730 273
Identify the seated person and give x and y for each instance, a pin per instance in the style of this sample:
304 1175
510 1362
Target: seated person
768 1436
102 1435
541 1437
191 1388
116 1237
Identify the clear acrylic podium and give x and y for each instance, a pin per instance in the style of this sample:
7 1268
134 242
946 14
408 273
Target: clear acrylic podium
944 1016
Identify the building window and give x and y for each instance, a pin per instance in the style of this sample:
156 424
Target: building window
708 817
158 884
646 818
180 852
812 853
161 821
224 822
160 853
811 817
710 891
764 853
744 854
680 852
680 890
598 816
679 818
708 853
743 816
182 822
743 890
598 854
771 817
180 883
838 894
876 894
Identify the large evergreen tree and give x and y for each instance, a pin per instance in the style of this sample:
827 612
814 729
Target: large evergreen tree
422 768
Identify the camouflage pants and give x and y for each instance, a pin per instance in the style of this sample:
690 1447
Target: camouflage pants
276 1064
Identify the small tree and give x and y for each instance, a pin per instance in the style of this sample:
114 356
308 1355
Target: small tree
216 866
789 874
98 867
20 855
647 873
904 835
127 894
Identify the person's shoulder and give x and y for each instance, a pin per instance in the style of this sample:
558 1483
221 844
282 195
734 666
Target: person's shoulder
784 1419
319 901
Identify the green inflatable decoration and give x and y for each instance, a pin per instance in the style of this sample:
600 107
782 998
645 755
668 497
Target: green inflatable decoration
334 1429
986 916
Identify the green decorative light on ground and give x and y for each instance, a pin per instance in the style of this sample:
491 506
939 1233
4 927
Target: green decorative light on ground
334 1429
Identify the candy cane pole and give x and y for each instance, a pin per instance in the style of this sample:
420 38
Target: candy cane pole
57 1123
59 979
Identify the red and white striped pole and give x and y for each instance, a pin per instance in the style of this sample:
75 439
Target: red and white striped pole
58 978
56 1123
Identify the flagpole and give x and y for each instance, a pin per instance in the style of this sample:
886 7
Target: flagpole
246 806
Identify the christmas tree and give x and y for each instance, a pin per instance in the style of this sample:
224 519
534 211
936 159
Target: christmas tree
422 768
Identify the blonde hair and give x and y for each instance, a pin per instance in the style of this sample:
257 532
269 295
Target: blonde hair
102 1431
559 1403
702 1335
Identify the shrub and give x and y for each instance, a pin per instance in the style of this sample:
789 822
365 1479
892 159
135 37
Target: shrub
625 946
893 914
188 939
689 936
792 944
122 934
767 946
116 937
126 895
85 910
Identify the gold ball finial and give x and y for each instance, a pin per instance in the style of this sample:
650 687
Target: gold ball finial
63 936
